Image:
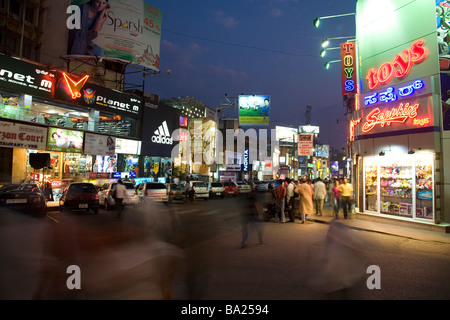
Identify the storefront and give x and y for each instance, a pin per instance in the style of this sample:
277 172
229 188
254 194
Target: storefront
395 129
69 121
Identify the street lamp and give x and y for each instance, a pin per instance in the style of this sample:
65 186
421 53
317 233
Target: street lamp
323 51
327 65
316 21
326 41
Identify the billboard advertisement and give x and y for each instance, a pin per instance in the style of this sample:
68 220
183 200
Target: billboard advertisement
63 140
125 30
96 144
254 110
308 129
286 134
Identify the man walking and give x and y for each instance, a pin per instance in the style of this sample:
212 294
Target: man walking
121 193
280 195
346 196
320 192
305 192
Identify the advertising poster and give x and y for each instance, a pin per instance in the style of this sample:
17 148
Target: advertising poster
254 110
305 144
126 30
15 135
63 140
286 134
105 164
99 144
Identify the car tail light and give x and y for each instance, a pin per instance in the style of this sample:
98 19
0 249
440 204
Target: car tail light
96 196
35 199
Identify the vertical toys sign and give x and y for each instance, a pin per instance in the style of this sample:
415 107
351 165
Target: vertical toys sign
348 68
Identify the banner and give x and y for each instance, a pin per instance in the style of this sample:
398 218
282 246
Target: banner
96 144
126 30
62 140
305 144
16 135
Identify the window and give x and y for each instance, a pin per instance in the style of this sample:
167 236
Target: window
14 7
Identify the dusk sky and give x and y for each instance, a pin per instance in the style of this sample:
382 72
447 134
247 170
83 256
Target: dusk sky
268 47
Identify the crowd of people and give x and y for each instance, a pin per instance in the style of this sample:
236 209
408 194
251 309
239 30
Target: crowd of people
304 198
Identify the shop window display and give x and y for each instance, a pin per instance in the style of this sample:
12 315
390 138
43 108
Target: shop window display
424 187
396 179
371 184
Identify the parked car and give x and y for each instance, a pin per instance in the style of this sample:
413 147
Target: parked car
262 186
230 188
105 195
177 191
28 198
79 196
243 187
216 189
200 189
154 191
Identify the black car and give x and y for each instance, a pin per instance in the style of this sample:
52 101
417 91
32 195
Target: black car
79 196
27 198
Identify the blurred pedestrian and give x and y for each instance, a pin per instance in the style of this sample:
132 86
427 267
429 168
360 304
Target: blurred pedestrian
305 207
290 200
121 194
320 192
251 218
342 264
336 192
280 197
346 191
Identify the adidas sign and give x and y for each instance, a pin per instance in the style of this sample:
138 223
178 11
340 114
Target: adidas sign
162 135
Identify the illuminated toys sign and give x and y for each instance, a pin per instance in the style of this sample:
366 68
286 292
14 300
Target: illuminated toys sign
348 62
399 67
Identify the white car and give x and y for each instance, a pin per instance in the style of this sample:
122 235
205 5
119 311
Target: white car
262 186
154 191
106 191
200 189
243 187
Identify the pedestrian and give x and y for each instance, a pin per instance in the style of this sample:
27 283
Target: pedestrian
251 218
305 192
290 199
346 193
280 197
121 194
320 192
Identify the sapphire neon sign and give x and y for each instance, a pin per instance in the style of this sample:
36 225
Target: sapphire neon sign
399 67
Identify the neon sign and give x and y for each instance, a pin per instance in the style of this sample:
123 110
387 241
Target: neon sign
353 123
75 87
390 95
400 114
348 74
400 66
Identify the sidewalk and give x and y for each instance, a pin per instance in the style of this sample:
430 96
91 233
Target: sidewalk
366 222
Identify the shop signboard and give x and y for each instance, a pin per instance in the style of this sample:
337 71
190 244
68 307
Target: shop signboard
348 68
23 77
254 110
397 42
157 133
413 114
232 160
16 135
97 144
305 144
78 90
322 150
63 140
130 31
308 129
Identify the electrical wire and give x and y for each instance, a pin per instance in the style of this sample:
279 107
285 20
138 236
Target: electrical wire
240 45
